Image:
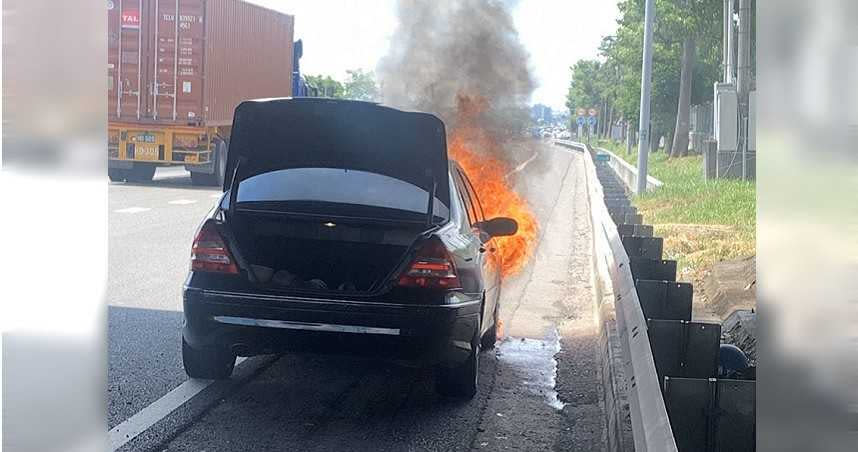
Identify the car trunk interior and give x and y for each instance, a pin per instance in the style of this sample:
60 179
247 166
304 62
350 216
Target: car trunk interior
299 254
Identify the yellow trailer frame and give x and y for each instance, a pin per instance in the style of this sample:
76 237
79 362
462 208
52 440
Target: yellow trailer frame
162 145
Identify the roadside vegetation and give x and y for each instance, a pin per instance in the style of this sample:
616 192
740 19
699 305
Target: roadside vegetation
359 85
702 222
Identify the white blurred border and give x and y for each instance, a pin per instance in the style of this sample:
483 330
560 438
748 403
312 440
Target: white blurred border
53 225
807 263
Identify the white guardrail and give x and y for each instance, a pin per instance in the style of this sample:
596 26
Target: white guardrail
650 425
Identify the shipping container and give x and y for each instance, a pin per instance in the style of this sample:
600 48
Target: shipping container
176 71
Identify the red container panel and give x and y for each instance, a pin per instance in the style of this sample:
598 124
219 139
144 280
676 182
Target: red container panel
193 61
249 56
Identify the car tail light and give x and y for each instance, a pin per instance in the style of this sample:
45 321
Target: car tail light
431 268
209 252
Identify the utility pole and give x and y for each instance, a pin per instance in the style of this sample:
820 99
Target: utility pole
646 87
731 39
725 41
743 79
602 116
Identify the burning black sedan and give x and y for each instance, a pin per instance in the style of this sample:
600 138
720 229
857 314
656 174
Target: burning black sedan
343 228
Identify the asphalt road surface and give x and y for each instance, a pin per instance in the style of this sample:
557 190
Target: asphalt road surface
539 387
151 227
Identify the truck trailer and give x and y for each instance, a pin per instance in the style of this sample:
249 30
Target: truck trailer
176 71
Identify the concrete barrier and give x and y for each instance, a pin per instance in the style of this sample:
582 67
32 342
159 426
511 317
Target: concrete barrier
626 172
632 392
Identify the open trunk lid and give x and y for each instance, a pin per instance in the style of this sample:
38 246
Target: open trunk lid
277 134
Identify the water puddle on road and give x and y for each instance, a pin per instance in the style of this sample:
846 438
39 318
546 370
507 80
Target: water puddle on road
533 360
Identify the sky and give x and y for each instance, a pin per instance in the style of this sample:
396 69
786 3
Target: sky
343 34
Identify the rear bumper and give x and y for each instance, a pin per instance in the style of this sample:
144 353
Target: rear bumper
253 324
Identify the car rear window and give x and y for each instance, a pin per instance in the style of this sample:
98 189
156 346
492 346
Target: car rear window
340 186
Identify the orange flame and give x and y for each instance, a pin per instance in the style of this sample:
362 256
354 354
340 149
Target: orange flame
473 147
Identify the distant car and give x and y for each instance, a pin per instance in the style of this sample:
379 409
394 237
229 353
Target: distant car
325 240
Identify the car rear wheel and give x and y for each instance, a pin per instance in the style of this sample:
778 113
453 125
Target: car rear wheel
211 364
491 336
461 381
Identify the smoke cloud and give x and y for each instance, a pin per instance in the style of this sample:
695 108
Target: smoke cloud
459 54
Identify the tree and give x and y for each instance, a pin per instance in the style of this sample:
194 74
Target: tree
697 21
614 79
585 89
360 85
327 86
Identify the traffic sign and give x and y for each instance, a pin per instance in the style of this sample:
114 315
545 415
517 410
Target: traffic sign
593 120
593 112
581 120
581 112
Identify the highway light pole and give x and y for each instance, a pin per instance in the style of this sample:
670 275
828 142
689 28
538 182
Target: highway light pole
646 88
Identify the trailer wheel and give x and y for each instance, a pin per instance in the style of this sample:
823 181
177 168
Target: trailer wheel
201 179
215 178
141 173
220 162
117 174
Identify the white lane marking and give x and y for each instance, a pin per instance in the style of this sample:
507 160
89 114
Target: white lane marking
182 201
157 410
523 165
132 210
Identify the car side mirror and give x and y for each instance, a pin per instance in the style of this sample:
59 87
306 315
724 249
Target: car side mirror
499 227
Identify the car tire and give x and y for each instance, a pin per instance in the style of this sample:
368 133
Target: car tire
117 174
141 173
461 381
210 364
491 335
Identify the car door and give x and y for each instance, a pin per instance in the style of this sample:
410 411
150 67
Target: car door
489 259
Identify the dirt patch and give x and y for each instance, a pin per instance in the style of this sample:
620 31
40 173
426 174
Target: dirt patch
731 286
699 246
698 249
730 297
